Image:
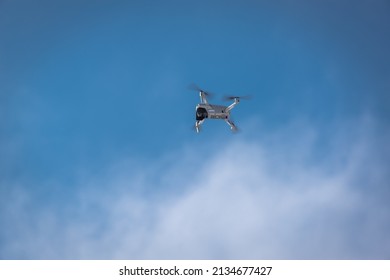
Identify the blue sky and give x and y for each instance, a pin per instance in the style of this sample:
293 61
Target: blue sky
98 158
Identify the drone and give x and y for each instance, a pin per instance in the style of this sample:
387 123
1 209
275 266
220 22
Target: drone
205 110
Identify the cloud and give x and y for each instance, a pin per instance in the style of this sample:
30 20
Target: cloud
275 197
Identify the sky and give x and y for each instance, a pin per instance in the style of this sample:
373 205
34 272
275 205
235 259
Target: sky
99 159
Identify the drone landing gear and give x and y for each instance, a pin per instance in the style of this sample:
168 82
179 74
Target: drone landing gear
233 127
198 124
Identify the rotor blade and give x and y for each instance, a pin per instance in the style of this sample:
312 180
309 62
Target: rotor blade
237 130
193 86
230 97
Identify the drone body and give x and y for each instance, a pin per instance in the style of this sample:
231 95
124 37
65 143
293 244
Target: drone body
205 110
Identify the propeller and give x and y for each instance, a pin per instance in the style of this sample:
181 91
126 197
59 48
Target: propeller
229 97
193 86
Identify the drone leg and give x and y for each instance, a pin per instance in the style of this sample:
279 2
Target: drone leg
233 127
203 98
198 124
236 101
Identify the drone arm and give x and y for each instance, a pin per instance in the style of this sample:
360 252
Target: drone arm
202 96
198 124
233 127
236 101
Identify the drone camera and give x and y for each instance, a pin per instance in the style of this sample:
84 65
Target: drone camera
201 114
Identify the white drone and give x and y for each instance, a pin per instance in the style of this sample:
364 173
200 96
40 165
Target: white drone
205 110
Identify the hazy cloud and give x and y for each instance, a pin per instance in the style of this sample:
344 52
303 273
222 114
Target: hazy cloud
247 199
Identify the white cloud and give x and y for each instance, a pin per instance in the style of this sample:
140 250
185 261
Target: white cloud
268 199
